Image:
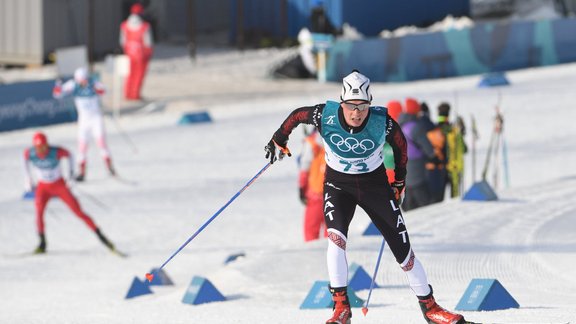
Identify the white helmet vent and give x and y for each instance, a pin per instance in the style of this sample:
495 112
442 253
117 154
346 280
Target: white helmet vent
356 86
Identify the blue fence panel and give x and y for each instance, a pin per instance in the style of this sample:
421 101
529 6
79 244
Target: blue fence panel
30 104
564 34
481 49
369 17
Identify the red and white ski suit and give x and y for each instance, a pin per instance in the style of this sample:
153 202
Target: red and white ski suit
50 183
136 41
90 119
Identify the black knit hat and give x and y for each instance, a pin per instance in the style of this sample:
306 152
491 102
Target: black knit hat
444 109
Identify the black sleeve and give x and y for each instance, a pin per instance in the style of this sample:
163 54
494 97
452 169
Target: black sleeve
395 137
311 115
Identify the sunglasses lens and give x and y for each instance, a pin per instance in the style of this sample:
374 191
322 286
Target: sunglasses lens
360 107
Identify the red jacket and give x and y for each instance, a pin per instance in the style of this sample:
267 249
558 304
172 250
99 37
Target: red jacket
134 45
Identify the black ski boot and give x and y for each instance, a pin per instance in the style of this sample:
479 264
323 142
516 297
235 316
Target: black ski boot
111 169
105 240
41 249
80 177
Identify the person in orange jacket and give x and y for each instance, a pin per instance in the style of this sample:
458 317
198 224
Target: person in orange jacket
311 185
136 41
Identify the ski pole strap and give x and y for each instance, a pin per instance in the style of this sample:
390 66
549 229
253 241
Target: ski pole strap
215 215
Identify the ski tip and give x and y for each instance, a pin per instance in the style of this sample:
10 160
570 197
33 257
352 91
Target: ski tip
121 254
364 310
149 277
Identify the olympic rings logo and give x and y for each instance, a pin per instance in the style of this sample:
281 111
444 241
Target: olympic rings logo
351 144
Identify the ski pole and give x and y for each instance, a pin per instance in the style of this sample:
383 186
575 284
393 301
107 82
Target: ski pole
125 136
505 161
150 276
475 137
92 198
365 308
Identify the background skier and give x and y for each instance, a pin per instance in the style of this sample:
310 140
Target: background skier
86 92
44 160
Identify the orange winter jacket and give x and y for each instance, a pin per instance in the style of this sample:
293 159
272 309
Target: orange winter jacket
314 177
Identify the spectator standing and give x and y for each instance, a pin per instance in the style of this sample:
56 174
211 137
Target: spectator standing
311 186
136 41
420 151
435 167
455 148
394 111
319 21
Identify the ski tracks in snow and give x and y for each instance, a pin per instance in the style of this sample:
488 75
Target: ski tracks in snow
522 239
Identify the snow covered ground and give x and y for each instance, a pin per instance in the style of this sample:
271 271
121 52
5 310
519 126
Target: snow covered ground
183 174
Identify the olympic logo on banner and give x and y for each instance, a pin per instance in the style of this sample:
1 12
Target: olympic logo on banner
352 144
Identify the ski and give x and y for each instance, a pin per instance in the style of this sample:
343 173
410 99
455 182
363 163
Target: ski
116 177
114 251
119 253
125 181
22 255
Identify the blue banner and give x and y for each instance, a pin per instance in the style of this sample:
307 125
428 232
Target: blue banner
483 48
30 104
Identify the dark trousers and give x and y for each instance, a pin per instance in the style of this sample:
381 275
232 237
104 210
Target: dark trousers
372 192
417 196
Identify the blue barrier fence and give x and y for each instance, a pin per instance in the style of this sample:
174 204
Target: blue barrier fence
276 18
30 104
481 49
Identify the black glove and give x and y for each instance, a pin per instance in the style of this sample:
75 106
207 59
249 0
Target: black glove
302 191
398 189
270 150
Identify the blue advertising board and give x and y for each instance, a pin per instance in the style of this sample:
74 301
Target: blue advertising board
30 104
280 18
483 48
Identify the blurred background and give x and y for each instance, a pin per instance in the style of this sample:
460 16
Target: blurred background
32 30
316 41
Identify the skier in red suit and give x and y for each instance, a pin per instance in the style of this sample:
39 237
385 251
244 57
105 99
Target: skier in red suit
136 42
44 160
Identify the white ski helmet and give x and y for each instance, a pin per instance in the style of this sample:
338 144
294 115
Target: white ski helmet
80 74
356 86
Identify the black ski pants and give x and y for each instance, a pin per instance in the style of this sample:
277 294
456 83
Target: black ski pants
372 192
